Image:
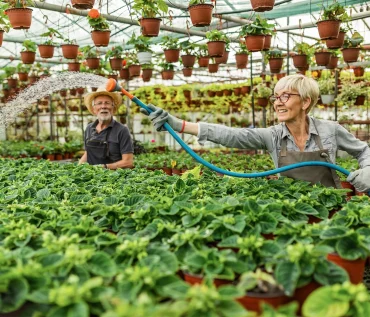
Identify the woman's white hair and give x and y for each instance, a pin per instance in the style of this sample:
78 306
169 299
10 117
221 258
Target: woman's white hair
306 87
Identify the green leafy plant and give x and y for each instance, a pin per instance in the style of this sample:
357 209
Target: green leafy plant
195 2
354 41
4 19
334 11
263 91
19 3
149 8
326 86
170 43
188 48
258 282
114 52
50 35
216 35
88 51
141 43
259 26
29 46
304 49
96 21
350 91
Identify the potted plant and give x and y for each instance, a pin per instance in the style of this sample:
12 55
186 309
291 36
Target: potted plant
223 59
327 90
241 56
202 54
22 71
28 53
188 59
115 57
200 12
100 28
168 70
262 5
134 67
352 93
83 4
91 56
69 48
20 17
46 49
148 11
213 67
322 55
338 42
275 60
334 57
216 43
263 94
171 48
351 47
304 52
147 72
142 47
4 21
330 20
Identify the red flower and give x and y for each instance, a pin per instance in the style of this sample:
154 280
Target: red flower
124 63
94 13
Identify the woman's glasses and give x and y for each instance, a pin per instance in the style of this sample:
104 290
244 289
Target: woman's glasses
283 97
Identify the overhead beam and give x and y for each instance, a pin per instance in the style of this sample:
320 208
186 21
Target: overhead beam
38 60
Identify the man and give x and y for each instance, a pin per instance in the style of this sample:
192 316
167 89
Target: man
107 142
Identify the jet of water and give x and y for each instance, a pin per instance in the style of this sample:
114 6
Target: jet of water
44 87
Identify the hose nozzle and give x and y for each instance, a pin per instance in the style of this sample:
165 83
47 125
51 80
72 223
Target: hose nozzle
112 85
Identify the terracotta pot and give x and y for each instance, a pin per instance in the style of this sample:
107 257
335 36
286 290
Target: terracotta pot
262 102
219 93
28 57
100 38
203 61
83 4
211 93
74 67
348 185
336 43
147 74
46 51
241 60
124 74
300 60
213 68
93 62
201 14
167 170
50 157
150 26
172 55
350 54
167 74
267 42
322 58
23 76
276 63
188 60
176 171
116 63
245 90
73 91
358 71
187 94
262 5
12 82
280 75
69 51
216 48
63 93
301 293
328 29
198 279
1 37
20 18
187 72
134 70
253 301
33 79
237 91
227 92
223 59
80 90
255 43
355 268
360 100
333 62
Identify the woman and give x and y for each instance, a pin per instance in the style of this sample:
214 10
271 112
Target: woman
298 137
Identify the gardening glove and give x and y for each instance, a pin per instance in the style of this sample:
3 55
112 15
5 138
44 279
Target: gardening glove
159 117
360 179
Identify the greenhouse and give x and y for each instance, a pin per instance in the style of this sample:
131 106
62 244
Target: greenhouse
199 158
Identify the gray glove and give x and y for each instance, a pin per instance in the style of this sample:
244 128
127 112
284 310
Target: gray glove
159 117
360 179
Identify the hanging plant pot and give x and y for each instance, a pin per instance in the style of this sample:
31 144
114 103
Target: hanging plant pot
33 79
336 43
74 67
223 59
28 57
203 61
188 60
358 71
134 70
116 63
262 102
262 5
255 43
267 43
333 63
19 18
354 268
69 51
12 82
100 38
1 37
237 91
63 93
46 51
144 57
187 71
172 55
124 74
83 4
327 99
93 62
276 63
360 100
253 301
213 68
280 75
245 90
300 61
201 14
350 55
328 29
241 60
73 91
216 48
80 90
23 76
167 74
147 74
150 26
322 58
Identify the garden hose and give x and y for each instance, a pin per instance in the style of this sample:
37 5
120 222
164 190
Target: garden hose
112 85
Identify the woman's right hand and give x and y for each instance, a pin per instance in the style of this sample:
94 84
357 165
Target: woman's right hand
159 117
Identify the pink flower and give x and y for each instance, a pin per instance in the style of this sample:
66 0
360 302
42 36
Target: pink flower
152 141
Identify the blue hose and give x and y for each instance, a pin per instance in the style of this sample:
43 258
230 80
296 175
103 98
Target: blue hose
235 174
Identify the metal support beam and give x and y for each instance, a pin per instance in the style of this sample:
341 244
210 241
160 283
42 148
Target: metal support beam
38 60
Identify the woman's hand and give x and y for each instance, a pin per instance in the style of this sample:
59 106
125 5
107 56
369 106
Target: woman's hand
159 117
360 179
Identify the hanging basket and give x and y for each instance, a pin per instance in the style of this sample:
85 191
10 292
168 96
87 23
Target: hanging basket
150 26
203 61
276 63
360 100
241 60
144 57
267 43
262 102
167 74
333 62
116 63
83 4
172 55
1 37
147 74
134 70
46 51
223 59
23 76
188 60
300 61
327 99
213 68
19 18
69 51
28 57
328 29
93 62
12 82
336 43
100 38
187 71
322 58
201 14
262 5
255 43
358 71
216 48
74 67
350 55
124 74
245 90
